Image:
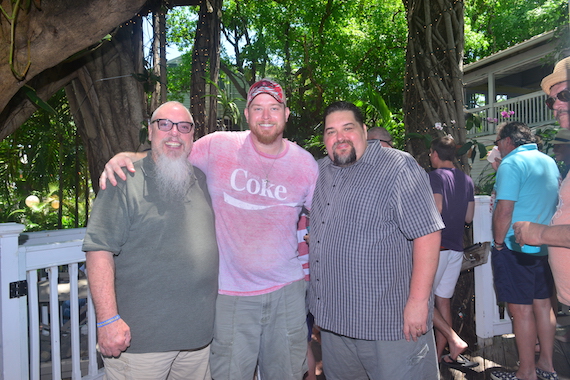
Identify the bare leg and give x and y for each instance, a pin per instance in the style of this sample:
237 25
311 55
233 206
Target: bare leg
524 327
312 375
546 328
444 333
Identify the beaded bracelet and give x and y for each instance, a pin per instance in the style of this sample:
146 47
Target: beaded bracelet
108 321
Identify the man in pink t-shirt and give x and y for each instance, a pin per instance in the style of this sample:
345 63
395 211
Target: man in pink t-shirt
259 183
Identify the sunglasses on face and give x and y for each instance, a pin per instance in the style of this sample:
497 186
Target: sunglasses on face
563 96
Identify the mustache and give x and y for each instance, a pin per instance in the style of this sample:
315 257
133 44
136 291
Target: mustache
173 139
335 145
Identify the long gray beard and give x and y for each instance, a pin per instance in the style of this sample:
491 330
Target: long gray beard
173 177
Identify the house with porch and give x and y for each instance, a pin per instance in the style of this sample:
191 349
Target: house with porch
509 80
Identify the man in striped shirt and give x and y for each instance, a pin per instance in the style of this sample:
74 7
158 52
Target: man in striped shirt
374 249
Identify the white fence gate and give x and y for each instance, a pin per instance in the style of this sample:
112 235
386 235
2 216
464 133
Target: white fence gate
26 318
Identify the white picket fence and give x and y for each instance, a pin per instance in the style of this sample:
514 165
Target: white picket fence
51 251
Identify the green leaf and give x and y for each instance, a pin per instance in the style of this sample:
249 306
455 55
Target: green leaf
482 150
464 149
33 96
414 135
473 155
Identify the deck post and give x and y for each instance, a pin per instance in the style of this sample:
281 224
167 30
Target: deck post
488 322
13 311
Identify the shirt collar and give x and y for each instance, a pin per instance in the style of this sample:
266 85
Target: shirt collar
522 148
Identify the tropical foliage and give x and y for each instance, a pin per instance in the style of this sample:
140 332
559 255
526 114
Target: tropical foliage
44 158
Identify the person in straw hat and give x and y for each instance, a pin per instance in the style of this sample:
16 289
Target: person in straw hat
555 86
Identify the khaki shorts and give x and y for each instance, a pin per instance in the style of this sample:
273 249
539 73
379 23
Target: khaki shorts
170 365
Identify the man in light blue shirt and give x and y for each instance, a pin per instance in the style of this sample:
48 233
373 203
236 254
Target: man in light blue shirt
527 189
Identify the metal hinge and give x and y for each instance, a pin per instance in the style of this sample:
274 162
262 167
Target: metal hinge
18 289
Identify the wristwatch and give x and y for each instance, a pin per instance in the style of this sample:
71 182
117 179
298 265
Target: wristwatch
498 245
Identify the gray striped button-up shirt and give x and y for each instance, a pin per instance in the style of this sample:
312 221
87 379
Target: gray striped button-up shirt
363 222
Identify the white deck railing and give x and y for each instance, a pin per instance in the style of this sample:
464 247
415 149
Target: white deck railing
53 250
529 109
22 354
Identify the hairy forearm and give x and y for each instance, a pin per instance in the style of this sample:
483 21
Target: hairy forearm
502 218
425 260
101 275
136 156
538 234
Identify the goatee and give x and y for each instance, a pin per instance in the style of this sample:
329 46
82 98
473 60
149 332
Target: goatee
173 176
347 159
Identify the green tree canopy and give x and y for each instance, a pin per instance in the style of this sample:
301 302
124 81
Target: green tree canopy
494 25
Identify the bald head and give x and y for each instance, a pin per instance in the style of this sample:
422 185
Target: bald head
382 135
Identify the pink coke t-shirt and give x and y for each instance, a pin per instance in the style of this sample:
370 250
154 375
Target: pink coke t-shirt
257 200
558 257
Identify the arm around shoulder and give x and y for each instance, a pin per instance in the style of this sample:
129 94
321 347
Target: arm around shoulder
538 234
114 167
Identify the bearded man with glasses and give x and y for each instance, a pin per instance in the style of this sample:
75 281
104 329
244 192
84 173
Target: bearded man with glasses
556 86
152 261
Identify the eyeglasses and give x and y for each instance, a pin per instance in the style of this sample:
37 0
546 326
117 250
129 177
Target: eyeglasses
563 96
166 125
496 142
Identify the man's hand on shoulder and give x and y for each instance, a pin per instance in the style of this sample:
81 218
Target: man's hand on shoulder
114 167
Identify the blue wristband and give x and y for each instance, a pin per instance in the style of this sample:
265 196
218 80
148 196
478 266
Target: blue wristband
108 321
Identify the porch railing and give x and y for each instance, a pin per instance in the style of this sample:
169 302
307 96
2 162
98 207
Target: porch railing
529 109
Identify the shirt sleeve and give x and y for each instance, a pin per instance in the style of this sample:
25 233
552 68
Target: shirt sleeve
508 182
109 222
416 210
199 156
435 182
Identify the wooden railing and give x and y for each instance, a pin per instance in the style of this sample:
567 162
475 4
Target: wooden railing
529 109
